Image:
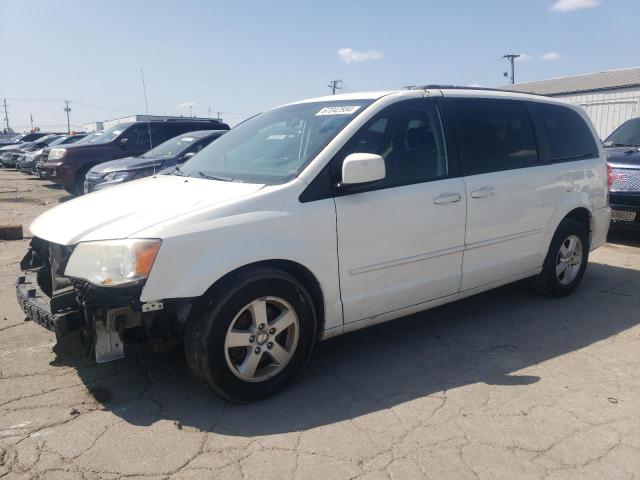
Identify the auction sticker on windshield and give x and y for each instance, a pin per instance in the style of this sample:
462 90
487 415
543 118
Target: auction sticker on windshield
339 110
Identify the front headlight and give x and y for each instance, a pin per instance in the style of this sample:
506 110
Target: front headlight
113 263
113 176
57 153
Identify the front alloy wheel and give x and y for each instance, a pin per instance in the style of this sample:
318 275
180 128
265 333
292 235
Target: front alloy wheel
261 339
251 334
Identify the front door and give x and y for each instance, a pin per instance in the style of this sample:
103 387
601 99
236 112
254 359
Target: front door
400 240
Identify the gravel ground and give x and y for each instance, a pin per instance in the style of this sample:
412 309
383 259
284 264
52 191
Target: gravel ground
502 385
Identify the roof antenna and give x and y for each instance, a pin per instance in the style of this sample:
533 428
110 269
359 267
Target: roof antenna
146 104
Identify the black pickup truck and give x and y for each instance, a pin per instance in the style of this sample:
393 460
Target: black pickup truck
623 160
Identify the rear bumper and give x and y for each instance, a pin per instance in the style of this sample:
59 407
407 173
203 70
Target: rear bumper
37 306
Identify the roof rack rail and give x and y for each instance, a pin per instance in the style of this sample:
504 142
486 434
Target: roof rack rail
460 87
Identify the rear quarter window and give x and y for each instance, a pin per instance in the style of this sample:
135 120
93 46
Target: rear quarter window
567 135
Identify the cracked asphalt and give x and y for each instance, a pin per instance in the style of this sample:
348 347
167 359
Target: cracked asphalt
505 384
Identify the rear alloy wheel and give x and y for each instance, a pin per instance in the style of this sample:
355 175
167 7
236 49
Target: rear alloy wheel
569 260
251 335
566 260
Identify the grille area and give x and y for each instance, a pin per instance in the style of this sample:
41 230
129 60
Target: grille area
625 180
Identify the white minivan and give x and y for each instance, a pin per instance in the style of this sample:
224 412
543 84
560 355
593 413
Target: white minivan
318 218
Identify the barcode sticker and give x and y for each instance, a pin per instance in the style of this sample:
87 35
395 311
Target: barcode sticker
339 110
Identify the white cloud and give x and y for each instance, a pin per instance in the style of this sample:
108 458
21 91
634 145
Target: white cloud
187 104
571 5
349 55
524 57
550 56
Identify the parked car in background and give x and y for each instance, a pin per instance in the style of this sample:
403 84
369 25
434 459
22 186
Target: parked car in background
69 165
27 161
623 159
22 138
87 138
171 153
322 217
11 153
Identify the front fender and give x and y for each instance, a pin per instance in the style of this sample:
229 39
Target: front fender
189 262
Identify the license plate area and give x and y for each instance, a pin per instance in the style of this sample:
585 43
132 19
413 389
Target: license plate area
623 216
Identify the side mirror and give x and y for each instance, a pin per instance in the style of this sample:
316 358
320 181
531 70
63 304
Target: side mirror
123 142
186 157
360 168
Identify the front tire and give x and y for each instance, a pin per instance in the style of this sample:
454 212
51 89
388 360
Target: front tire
566 260
252 335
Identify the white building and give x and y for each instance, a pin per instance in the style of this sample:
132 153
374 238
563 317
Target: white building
610 98
92 127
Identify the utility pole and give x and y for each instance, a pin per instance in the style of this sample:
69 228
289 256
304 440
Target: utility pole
511 57
67 109
191 110
209 112
6 115
333 85
31 117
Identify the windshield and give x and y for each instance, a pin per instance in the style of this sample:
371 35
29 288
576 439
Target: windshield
171 148
57 141
626 135
90 137
275 146
105 136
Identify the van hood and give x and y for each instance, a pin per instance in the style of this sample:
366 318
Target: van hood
123 210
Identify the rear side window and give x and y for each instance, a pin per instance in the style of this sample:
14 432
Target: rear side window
567 134
494 135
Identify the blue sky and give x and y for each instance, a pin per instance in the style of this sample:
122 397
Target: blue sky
241 57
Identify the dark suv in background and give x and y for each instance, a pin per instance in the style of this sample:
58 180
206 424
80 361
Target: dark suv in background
171 153
623 160
69 165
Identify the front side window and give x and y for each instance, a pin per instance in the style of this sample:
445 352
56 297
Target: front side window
567 134
275 146
408 135
494 135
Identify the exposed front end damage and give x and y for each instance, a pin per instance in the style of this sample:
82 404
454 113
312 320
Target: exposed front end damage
110 320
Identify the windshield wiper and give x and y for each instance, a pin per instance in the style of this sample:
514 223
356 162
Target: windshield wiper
213 177
177 171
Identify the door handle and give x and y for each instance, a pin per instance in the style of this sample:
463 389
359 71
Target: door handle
447 198
483 192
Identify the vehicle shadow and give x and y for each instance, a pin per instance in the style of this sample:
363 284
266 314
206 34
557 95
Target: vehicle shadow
486 338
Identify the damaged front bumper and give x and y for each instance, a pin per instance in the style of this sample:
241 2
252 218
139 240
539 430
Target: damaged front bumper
109 319
38 306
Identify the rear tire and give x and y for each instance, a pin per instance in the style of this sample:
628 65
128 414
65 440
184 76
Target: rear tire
252 335
566 260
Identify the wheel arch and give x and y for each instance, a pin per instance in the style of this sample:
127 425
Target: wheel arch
295 269
574 208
